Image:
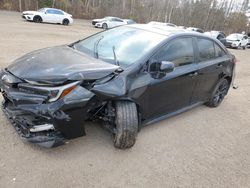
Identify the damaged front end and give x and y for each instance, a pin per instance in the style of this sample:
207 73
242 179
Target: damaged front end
46 116
48 99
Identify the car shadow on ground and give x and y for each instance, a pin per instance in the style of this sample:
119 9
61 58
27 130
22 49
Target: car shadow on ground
45 23
97 137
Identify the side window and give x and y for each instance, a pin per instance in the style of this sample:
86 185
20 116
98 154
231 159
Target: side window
179 51
206 49
58 12
220 36
49 11
117 20
218 51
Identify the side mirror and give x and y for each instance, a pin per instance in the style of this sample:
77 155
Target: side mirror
159 69
167 66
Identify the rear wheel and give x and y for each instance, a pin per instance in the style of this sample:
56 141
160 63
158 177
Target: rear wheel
65 22
37 19
219 93
105 26
126 124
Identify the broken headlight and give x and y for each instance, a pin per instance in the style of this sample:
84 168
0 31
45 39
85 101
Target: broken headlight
53 93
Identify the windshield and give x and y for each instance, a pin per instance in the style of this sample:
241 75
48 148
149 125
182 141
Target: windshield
130 45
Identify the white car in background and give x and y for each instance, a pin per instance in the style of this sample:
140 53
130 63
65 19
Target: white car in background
195 29
110 22
237 40
162 24
48 15
219 35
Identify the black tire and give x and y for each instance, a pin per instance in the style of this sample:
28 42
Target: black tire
37 19
219 93
65 22
105 26
244 47
126 124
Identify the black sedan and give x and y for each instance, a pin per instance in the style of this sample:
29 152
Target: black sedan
126 77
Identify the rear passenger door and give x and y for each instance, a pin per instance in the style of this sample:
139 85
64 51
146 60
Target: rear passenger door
211 62
54 16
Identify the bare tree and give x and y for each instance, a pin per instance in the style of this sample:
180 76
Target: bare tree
206 14
20 5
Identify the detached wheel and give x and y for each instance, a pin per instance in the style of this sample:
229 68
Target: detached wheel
65 22
126 124
219 93
105 26
37 19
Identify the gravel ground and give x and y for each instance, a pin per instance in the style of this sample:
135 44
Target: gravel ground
203 147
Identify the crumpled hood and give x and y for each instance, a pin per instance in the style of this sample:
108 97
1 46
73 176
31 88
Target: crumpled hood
57 65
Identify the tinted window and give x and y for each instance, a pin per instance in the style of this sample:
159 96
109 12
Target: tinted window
59 12
52 11
179 51
218 51
206 49
130 21
200 31
220 36
116 20
49 11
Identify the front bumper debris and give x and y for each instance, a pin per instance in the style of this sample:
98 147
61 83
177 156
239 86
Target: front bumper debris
47 124
47 139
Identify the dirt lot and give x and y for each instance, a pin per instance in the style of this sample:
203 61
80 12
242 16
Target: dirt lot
203 147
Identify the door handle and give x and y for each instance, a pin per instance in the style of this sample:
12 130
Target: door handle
193 74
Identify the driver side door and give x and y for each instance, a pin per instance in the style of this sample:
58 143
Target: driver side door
49 16
172 91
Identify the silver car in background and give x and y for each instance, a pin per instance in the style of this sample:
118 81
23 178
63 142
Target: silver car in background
110 22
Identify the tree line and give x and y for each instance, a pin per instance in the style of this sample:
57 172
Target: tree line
225 15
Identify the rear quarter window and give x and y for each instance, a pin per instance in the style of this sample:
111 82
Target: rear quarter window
206 49
218 51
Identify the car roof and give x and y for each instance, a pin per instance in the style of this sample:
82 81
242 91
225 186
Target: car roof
161 23
165 30
110 17
46 8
